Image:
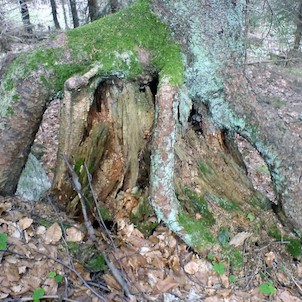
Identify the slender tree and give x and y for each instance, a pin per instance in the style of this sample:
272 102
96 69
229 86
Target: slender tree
25 16
93 9
54 13
64 14
74 13
298 32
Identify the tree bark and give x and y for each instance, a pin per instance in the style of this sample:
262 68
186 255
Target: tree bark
25 16
298 32
74 13
93 9
54 14
64 14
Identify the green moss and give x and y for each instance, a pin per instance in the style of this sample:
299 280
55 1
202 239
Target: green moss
226 204
141 217
197 230
278 103
293 246
112 42
203 167
105 213
96 264
197 204
234 256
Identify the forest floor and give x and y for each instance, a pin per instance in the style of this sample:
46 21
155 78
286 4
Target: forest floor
48 250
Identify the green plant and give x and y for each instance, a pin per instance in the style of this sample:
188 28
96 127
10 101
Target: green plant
210 256
293 246
250 217
38 294
3 241
267 288
232 279
96 264
219 268
58 278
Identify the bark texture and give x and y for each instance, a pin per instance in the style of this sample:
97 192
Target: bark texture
210 32
108 130
18 131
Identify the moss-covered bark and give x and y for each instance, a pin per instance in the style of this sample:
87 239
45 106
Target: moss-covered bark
109 69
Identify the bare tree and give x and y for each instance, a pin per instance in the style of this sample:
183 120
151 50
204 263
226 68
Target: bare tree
298 32
93 9
74 13
54 13
25 16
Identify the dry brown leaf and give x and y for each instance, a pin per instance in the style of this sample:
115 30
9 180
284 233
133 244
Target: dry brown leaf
239 238
53 234
25 223
174 263
286 296
269 258
225 281
41 230
3 295
11 272
158 262
191 267
198 216
80 269
165 285
74 235
224 292
50 286
22 269
111 282
282 278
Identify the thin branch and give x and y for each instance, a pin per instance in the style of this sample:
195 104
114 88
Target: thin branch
77 186
115 272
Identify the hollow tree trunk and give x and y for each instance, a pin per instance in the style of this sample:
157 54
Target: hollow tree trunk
106 117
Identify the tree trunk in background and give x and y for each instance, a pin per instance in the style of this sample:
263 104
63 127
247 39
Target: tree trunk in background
93 9
64 13
25 16
74 13
54 13
298 33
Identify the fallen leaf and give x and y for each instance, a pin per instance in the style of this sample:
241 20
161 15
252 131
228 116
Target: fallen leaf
74 235
165 285
41 230
285 296
191 268
269 258
25 223
239 238
53 234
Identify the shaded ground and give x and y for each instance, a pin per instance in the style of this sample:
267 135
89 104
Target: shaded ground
158 267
